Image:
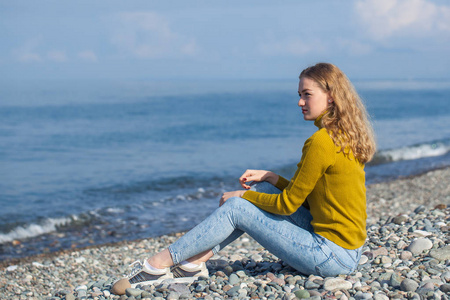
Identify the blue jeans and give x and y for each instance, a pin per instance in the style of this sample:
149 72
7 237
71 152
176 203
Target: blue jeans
290 238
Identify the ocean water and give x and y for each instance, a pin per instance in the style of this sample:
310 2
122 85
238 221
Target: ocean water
85 163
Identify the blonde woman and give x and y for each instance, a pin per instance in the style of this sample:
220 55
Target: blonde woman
315 222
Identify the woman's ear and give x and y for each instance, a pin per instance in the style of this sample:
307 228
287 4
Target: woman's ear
330 99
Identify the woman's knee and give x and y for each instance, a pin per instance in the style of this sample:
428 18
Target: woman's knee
241 212
235 202
239 205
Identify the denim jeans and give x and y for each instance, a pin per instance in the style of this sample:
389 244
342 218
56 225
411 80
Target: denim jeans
290 238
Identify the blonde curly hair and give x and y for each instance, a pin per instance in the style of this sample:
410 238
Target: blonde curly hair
346 118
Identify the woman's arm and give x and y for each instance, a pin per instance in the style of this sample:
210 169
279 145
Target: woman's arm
228 195
248 176
319 152
257 175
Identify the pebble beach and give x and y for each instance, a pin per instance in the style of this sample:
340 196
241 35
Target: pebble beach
406 256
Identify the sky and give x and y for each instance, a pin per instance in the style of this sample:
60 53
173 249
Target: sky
184 40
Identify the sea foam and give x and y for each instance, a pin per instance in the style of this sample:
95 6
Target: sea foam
412 152
32 230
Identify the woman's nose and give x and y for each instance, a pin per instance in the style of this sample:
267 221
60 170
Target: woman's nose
301 102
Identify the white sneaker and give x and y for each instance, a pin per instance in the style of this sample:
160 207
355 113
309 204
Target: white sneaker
141 275
182 273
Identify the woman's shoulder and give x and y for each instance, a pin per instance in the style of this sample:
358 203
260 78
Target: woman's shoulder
321 139
321 135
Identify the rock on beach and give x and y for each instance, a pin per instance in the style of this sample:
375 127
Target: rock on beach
419 245
332 284
403 258
120 287
409 285
441 254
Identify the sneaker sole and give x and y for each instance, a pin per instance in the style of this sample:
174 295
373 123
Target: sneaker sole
150 282
166 280
179 272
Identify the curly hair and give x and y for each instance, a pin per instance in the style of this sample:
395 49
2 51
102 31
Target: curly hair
346 118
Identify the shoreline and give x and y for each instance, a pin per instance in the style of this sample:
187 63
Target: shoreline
403 197
374 190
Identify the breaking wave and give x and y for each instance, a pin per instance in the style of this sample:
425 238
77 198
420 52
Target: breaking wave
32 230
412 152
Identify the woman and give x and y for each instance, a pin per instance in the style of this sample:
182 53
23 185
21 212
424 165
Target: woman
316 221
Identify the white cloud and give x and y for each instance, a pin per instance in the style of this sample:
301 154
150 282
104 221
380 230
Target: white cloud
57 56
27 52
386 18
190 48
88 55
148 35
29 57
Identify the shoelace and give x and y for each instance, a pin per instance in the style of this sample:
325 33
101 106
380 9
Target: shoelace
137 266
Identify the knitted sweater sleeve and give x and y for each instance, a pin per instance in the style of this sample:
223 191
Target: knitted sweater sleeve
282 183
317 155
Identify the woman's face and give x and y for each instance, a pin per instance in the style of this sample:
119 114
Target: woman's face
313 100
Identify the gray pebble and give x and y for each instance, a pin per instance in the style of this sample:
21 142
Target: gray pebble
242 293
336 284
276 267
441 253
445 288
380 296
310 285
385 259
241 274
395 281
286 297
256 257
363 296
173 296
384 278
146 294
419 209
200 288
233 279
302 294
228 270
406 255
291 280
363 259
133 292
400 219
81 287
70 296
409 285
419 245
81 293
234 291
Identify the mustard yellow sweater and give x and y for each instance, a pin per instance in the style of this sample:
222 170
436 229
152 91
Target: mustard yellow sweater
333 185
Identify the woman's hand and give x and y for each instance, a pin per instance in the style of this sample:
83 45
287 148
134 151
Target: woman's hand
257 175
228 195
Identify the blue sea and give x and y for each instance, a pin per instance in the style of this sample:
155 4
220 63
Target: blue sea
93 162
